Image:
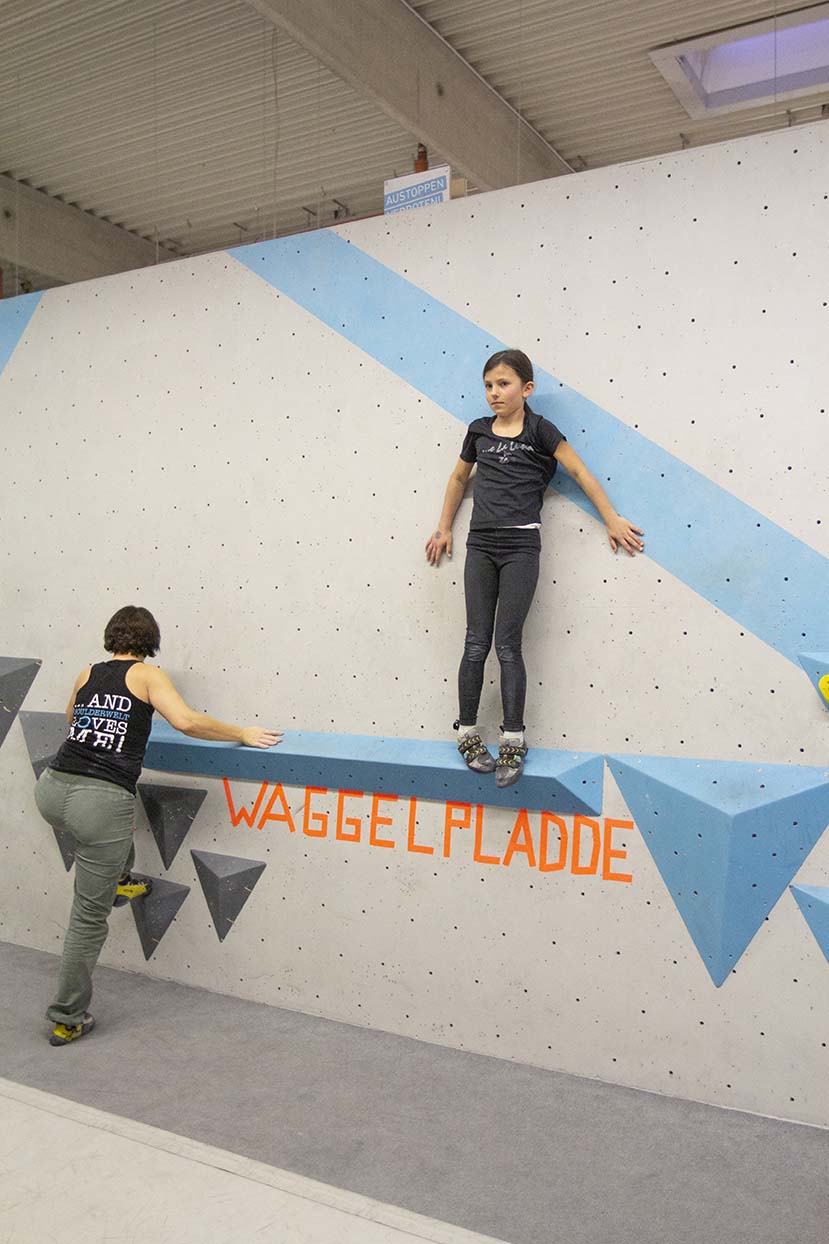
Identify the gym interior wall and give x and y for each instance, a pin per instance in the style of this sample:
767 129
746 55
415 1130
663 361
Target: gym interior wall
254 445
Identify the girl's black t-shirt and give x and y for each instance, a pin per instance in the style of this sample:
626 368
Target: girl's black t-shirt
513 472
109 730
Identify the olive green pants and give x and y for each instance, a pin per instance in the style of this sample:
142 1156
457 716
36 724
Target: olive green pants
99 817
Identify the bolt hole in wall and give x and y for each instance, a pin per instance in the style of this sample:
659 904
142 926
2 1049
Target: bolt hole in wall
668 366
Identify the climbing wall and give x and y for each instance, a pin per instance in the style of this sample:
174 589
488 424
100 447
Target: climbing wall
254 444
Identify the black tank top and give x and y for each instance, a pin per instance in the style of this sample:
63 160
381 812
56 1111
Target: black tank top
110 728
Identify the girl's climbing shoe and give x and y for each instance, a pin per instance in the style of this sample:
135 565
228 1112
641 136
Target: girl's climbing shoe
510 763
472 748
130 887
63 1035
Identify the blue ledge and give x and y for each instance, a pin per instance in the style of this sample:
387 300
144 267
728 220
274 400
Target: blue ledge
565 782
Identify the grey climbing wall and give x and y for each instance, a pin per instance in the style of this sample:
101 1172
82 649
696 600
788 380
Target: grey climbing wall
227 883
44 733
170 812
154 913
16 677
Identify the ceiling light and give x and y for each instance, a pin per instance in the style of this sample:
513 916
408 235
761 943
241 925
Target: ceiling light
778 59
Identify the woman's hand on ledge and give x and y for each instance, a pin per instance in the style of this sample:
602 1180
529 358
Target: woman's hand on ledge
255 736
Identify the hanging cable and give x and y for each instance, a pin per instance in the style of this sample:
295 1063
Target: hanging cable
155 131
318 128
276 126
519 118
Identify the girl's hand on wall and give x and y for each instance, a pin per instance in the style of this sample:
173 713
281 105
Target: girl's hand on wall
439 542
255 736
623 534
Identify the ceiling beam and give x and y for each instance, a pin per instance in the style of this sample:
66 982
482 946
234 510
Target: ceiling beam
63 242
386 51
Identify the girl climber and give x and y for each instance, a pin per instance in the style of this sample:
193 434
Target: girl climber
516 452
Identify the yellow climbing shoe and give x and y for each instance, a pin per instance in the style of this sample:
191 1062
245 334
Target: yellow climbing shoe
130 887
63 1035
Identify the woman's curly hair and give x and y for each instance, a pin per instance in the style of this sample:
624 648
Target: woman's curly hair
132 629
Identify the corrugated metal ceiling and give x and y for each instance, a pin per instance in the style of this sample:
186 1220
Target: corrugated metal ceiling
581 75
194 122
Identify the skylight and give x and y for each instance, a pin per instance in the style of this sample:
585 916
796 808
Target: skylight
774 60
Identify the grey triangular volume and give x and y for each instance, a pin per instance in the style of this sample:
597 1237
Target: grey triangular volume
44 733
227 882
170 811
154 914
66 846
16 677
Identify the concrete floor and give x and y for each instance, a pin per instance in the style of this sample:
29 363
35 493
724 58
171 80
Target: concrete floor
183 1192
513 1152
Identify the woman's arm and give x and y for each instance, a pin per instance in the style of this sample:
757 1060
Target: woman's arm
619 531
440 541
79 682
166 699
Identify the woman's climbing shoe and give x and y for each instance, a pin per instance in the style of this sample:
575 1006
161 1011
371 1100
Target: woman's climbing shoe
510 763
130 887
63 1035
472 748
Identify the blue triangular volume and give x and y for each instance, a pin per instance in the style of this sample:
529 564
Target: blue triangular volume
813 901
15 314
581 786
816 665
727 839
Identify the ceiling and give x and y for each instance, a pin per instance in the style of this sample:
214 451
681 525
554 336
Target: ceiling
198 124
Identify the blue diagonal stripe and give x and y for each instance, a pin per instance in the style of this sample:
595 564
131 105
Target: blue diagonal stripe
757 573
15 314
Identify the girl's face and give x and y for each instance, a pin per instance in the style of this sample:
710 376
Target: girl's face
505 391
